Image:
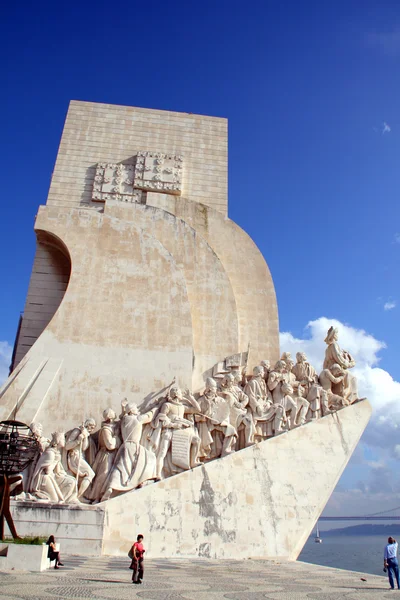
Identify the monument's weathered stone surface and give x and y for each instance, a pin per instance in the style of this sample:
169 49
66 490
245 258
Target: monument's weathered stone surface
260 502
149 307
79 529
158 282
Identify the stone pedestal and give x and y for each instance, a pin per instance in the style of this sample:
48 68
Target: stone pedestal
79 529
23 557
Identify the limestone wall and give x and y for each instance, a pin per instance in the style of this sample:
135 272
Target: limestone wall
49 280
78 529
259 502
161 285
96 133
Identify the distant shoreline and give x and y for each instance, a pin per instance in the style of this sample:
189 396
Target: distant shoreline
384 530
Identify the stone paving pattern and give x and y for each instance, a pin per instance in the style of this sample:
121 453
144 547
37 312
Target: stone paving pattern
108 578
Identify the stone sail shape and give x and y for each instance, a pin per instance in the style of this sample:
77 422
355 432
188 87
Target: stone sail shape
260 502
140 276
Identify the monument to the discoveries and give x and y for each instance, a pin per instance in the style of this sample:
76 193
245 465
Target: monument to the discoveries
142 287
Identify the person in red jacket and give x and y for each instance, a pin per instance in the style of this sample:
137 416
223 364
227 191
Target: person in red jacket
137 560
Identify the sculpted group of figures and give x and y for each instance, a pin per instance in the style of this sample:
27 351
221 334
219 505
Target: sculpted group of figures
181 431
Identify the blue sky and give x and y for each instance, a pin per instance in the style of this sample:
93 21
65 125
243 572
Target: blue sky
313 171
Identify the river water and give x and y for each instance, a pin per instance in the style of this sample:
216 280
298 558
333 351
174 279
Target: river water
354 553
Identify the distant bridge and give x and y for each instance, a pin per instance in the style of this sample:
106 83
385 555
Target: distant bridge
359 518
379 516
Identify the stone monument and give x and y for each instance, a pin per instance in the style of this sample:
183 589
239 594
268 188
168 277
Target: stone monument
149 306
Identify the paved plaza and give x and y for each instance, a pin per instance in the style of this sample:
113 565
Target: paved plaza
108 578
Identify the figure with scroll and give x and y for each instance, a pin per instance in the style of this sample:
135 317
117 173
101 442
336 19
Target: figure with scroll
175 439
134 464
347 387
108 442
77 444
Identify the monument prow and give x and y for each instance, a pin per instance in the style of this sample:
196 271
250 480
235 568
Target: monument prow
262 501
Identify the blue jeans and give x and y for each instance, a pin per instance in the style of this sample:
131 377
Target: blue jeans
393 567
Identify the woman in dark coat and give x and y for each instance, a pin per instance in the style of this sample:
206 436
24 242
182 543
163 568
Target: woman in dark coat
53 553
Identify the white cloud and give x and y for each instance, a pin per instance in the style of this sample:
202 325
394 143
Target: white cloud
389 305
373 382
363 346
5 359
382 436
386 128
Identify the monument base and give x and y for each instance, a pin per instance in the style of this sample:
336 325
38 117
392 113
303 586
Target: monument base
260 502
78 528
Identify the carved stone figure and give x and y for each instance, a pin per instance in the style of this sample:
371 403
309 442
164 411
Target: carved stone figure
266 365
329 378
223 433
37 430
275 380
240 417
175 433
324 402
204 421
238 379
286 356
44 442
304 372
180 430
347 387
50 480
314 400
289 404
256 389
302 404
134 464
108 442
77 444
267 417
290 377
